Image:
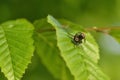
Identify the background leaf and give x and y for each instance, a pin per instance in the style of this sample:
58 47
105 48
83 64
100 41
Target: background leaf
37 71
80 60
45 43
16 47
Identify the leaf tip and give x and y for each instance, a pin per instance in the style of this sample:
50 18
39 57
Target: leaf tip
53 21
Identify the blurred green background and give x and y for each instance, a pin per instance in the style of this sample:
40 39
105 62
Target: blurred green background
87 13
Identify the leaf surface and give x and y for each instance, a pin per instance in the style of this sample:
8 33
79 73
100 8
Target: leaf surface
46 48
16 47
81 60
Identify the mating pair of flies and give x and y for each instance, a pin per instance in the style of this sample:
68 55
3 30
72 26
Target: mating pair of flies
78 37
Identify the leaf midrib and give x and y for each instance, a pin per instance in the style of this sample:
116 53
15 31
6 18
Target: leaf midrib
45 40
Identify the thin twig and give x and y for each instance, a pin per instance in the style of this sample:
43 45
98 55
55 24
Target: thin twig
103 29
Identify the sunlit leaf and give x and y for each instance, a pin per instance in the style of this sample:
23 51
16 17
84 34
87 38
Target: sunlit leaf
81 60
45 43
16 48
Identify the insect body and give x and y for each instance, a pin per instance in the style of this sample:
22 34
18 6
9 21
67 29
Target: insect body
78 37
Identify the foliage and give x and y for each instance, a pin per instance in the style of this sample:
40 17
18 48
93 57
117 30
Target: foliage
60 58
88 13
81 61
16 47
48 52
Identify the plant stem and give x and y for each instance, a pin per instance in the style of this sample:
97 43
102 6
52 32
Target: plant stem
103 29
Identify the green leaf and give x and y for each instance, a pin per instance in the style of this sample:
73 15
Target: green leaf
37 71
81 60
16 47
45 43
